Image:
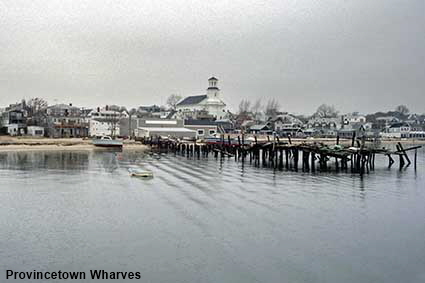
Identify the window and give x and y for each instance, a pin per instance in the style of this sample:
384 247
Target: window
200 132
212 132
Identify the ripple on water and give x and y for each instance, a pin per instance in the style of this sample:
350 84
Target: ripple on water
215 217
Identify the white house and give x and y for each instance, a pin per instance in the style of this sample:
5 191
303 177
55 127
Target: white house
35 131
105 123
164 128
353 118
13 130
212 102
397 130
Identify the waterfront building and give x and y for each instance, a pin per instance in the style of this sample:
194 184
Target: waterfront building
383 122
211 102
13 119
66 121
353 118
105 122
203 128
164 128
35 131
397 130
14 122
326 127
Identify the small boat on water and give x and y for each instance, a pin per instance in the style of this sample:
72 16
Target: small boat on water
106 141
141 173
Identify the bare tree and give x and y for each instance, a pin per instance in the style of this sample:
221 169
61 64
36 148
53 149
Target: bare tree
36 109
173 100
402 109
256 109
326 111
272 108
244 106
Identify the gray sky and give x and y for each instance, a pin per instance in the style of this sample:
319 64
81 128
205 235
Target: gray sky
358 55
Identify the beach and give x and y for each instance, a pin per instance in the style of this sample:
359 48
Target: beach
8 143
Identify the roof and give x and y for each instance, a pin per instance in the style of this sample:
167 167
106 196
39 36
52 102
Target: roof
258 127
200 122
387 118
398 125
213 79
287 118
63 106
171 130
192 100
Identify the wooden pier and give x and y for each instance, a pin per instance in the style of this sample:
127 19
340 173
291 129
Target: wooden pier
284 155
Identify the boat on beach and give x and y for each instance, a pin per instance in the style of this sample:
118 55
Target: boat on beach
106 141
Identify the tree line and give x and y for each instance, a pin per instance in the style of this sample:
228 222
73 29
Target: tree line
271 108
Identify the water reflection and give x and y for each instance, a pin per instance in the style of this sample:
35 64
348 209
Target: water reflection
55 160
209 220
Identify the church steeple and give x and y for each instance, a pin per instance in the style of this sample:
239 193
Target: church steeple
212 83
213 91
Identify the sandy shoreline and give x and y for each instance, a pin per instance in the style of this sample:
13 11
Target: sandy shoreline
46 144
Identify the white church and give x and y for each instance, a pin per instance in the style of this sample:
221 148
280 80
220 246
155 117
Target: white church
211 102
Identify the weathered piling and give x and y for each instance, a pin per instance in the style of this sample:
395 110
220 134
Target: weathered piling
276 154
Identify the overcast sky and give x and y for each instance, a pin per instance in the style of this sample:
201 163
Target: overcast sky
358 55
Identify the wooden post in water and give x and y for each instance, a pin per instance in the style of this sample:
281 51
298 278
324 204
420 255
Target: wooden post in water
416 157
336 163
313 159
390 161
281 159
287 159
404 154
295 152
400 155
307 157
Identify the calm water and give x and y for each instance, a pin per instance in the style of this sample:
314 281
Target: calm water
209 221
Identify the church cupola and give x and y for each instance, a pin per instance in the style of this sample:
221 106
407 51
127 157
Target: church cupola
213 91
212 82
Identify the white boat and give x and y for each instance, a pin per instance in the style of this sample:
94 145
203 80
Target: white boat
142 174
107 141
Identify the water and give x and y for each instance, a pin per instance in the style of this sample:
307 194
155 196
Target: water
209 221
